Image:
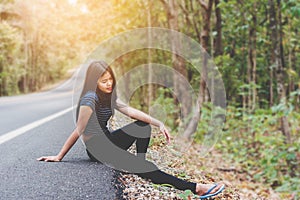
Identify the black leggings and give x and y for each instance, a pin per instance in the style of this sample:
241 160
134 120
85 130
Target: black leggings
140 133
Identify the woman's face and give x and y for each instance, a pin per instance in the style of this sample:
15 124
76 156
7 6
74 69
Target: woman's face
105 83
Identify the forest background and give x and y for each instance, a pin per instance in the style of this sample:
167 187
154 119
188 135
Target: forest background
254 44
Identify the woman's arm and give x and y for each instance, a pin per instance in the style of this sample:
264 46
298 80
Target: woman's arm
139 115
84 115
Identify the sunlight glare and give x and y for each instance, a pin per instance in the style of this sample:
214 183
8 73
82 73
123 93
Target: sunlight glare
72 2
84 9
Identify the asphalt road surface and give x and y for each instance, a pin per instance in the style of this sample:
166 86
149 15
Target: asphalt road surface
24 137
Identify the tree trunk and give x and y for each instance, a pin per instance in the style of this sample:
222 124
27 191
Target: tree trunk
25 77
178 63
218 41
253 59
206 15
291 77
294 67
251 66
273 38
271 95
285 125
150 75
276 60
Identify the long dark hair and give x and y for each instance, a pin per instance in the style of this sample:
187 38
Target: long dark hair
95 70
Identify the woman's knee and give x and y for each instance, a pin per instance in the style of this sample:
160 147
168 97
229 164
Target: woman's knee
137 129
141 123
146 128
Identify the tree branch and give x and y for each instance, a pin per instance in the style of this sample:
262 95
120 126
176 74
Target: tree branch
166 6
186 12
203 4
164 2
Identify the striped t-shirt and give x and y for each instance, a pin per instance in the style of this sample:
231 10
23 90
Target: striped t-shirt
102 111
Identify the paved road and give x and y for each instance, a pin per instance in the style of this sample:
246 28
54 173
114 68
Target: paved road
22 177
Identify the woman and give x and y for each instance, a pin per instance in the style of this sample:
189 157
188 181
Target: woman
96 105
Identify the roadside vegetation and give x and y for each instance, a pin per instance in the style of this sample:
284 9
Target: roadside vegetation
254 44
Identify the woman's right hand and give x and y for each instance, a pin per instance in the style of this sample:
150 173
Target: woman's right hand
165 131
49 159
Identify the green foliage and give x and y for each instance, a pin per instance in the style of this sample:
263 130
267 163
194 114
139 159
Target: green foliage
187 194
291 6
286 106
53 37
204 123
170 108
41 40
256 143
230 71
10 43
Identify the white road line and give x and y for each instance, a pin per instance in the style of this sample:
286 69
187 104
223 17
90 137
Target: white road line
15 133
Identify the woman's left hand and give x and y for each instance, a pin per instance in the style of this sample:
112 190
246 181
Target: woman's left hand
165 131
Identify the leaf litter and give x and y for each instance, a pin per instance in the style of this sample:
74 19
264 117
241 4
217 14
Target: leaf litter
192 167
